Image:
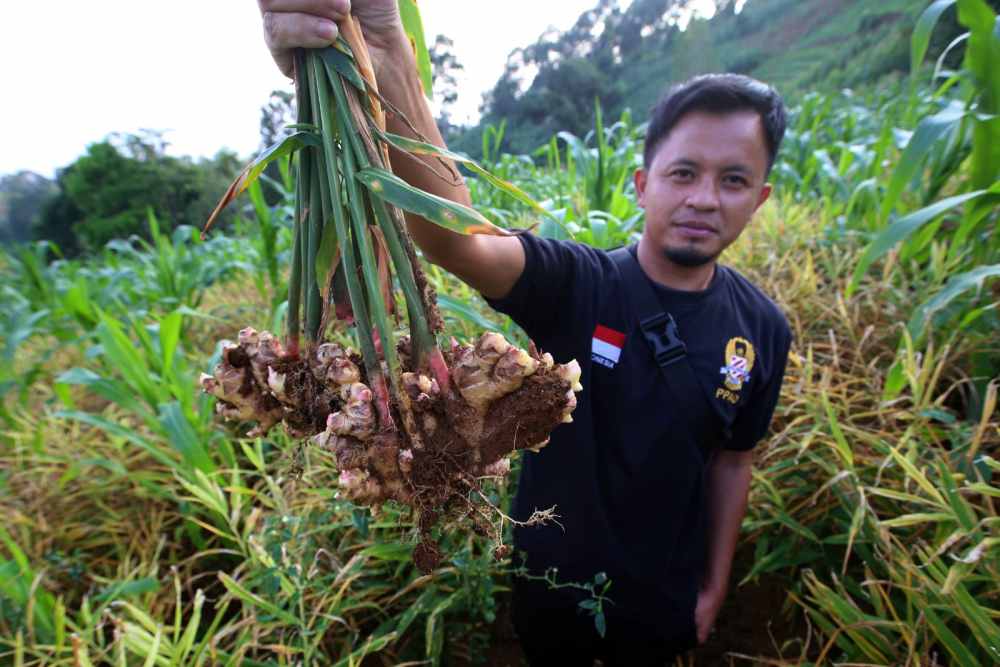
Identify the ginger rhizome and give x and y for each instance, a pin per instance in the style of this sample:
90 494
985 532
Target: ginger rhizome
405 420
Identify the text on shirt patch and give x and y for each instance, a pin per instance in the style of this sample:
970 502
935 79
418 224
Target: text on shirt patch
739 358
606 346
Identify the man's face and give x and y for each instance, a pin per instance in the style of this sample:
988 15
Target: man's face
705 181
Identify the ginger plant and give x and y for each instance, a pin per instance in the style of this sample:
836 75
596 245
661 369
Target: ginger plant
405 421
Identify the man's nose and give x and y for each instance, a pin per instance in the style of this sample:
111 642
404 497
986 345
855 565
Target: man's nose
704 194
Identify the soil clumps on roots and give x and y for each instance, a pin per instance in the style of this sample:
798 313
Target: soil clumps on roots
496 399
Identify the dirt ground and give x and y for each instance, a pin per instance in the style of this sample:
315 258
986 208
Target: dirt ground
751 623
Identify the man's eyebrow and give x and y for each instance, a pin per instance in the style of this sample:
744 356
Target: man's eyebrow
738 167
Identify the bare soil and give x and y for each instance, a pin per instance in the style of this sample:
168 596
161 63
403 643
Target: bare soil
751 623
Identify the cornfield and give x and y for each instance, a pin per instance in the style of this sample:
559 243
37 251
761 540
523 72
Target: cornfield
136 531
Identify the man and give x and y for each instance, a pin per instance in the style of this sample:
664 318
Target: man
651 479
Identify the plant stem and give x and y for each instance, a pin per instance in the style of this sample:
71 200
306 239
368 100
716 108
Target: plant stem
422 339
359 224
295 278
304 177
309 246
363 326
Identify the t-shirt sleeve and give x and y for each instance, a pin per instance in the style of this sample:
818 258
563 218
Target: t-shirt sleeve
553 291
754 420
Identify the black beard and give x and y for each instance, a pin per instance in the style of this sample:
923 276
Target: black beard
688 257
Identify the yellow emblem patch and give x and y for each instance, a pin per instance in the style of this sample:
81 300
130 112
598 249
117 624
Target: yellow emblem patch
739 359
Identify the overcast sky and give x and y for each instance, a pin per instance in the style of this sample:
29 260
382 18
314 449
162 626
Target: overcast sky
74 71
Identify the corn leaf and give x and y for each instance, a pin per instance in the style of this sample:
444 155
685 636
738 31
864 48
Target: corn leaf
955 287
921 38
981 57
447 214
901 230
930 130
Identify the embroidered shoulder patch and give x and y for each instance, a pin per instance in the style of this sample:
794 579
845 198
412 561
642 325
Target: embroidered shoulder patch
739 359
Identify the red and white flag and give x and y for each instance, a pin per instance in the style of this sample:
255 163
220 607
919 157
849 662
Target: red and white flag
606 348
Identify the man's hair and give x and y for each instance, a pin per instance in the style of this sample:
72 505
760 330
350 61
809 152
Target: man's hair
718 93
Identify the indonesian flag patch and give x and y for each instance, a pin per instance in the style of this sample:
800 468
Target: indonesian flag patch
606 348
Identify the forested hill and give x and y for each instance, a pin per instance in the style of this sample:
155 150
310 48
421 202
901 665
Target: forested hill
625 58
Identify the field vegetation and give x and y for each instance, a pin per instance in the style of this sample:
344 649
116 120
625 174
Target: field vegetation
138 531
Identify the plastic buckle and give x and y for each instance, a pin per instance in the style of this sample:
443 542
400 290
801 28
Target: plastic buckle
664 339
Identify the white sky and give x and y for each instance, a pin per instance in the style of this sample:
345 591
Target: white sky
74 71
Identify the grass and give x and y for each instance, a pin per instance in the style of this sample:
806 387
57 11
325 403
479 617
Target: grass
138 531
287 572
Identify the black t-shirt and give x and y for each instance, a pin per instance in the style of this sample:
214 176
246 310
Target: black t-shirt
627 476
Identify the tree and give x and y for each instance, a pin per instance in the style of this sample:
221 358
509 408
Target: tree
107 192
445 66
22 196
275 116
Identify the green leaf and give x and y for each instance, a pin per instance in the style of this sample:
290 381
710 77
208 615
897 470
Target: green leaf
981 57
115 391
600 624
414 28
257 601
895 380
434 631
124 589
421 605
901 229
463 310
252 171
127 434
393 551
930 130
184 438
951 643
422 148
841 445
918 519
922 32
955 287
170 334
343 64
440 211
327 256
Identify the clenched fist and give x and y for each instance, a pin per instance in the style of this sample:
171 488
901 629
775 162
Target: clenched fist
290 24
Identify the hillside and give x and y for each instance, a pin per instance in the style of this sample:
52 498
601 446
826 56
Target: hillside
626 58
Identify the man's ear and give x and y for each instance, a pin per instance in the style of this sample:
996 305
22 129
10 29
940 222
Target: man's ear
639 178
765 194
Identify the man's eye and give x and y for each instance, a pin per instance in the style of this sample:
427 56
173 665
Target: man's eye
735 180
682 174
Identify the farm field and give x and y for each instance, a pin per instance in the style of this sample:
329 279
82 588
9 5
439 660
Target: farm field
138 529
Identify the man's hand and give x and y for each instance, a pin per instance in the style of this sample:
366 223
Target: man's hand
705 613
289 24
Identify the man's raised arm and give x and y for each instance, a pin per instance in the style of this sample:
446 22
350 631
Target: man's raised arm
490 264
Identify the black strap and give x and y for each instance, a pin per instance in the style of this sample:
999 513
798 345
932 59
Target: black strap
659 330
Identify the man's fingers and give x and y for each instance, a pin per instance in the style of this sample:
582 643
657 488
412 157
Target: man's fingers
285 31
329 9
